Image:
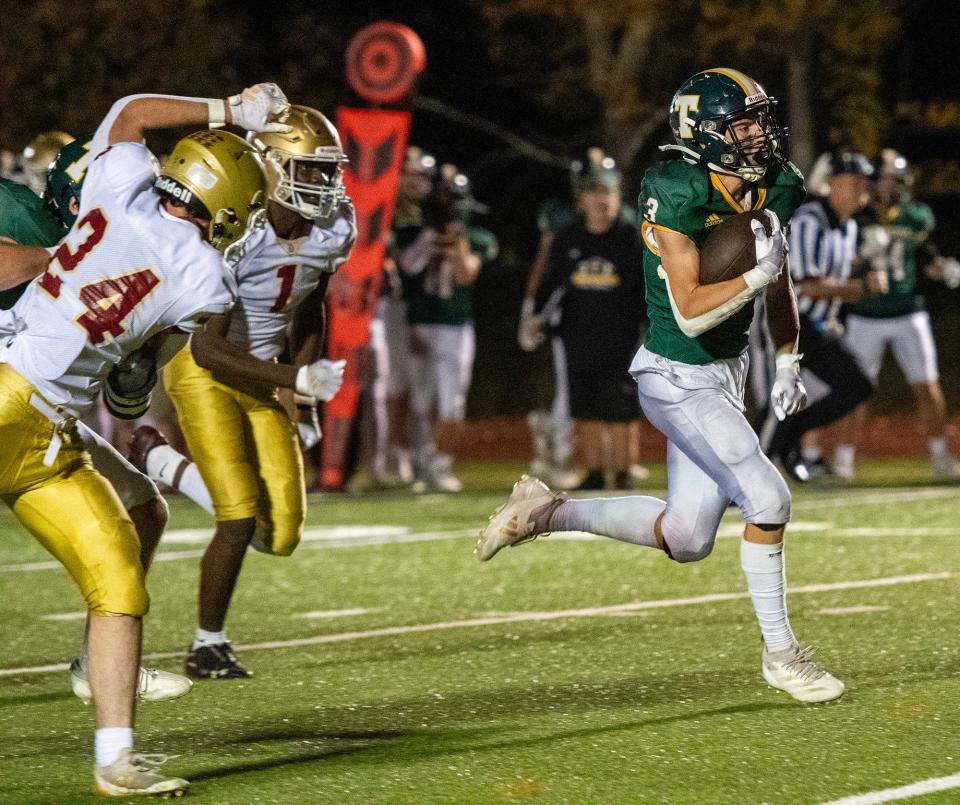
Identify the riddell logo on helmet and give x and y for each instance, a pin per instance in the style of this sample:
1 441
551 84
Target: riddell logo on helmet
170 187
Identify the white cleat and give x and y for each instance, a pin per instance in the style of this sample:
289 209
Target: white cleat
134 774
793 670
153 685
515 522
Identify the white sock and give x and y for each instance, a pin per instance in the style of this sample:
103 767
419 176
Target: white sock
938 447
628 519
764 569
109 742
192 485
843 454
205 638
810 454
163 464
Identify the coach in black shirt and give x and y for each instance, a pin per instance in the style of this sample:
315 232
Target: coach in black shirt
595 277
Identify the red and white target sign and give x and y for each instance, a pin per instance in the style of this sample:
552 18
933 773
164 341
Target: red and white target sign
384 61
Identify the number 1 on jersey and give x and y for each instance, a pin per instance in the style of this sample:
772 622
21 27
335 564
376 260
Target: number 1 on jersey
286 275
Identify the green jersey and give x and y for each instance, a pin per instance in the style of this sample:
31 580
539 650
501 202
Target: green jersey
685 198
908 224
433 297
24 220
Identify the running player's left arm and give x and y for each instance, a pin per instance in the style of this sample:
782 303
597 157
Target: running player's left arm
783 321
19 264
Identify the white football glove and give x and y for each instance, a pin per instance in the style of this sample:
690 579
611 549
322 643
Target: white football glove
258 108
320 380
771 252
308 423
951 272
788 393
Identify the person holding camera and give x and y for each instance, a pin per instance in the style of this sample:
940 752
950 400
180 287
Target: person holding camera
438 267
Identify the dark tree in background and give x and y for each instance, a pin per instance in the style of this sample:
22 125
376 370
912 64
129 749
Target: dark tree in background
64 62
624 58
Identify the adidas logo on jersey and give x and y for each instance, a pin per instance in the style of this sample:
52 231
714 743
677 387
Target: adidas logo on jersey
712 220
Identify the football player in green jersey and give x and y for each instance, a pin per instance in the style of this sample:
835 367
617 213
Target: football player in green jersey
691 371
899 233
27 220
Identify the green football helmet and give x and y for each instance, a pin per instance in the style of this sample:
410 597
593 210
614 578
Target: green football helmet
65 179
703 113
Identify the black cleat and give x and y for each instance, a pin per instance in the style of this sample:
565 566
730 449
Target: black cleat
214 662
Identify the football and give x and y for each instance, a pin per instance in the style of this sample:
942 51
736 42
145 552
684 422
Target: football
730 250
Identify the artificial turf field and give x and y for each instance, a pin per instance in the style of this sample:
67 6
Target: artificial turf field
566 670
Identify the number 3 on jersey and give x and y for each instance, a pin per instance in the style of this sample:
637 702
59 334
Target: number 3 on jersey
108 301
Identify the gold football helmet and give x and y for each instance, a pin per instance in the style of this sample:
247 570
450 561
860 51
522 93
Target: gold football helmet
218 177
40 154
304 166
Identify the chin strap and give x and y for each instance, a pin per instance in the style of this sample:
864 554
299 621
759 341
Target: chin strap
695 157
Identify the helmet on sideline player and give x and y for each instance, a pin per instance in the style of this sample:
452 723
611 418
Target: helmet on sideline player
894 179
837 163
39 155
304 166
593 169
64 180
219 178
701 116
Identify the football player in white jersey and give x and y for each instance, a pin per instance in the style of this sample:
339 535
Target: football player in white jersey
225 388
140 260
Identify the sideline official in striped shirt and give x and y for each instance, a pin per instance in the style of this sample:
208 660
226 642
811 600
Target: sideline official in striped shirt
824 240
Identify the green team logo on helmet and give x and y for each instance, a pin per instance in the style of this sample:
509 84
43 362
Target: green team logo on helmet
65 179
702 116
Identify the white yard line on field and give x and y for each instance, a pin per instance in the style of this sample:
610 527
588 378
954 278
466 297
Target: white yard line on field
522 617
64 616
918 789
849 497
855 610
360 539
320 614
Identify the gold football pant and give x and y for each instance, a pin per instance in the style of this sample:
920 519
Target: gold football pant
68 507
246 449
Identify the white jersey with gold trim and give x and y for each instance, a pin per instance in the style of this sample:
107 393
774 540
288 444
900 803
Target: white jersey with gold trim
274 276
126 271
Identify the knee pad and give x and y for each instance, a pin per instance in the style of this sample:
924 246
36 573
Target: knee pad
771 503
126 594
277 538
683 541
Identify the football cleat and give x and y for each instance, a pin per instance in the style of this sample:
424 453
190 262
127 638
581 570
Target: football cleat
441 477
214 662
142 441
522 518
792 670
153 685
135 774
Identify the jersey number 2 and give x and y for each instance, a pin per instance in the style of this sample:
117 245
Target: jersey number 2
108 301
